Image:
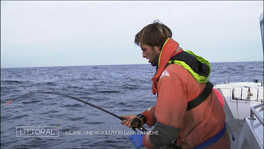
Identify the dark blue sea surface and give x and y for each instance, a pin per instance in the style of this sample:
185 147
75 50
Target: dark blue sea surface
121 89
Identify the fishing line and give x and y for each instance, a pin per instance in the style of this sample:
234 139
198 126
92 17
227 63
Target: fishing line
13 99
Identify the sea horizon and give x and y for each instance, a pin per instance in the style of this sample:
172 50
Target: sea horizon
108 65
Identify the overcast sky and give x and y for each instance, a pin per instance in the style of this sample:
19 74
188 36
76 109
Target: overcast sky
68 33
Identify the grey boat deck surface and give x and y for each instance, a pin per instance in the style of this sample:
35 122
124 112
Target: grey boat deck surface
235 126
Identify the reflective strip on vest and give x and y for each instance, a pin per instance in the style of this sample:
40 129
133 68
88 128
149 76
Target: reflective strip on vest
162 49
198 78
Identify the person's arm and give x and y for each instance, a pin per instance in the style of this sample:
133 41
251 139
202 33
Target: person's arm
150 115
169 112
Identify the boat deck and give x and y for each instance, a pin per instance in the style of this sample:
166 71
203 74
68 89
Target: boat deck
252 129
235 126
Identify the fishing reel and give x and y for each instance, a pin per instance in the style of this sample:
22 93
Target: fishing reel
138 122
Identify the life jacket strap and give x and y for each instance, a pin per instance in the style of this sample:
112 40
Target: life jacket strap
198 100
212 140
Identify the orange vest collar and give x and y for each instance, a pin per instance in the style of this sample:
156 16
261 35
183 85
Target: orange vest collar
169 49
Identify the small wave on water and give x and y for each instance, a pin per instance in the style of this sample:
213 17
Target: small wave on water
31 102
11 81
130 86
21 116
107 91
75 118
94 123
74 105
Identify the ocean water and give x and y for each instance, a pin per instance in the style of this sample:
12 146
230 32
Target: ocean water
121 89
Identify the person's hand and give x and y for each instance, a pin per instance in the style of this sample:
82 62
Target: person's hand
137 140
128 120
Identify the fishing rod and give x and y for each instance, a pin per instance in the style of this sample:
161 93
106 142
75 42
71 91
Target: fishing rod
92 105
99 108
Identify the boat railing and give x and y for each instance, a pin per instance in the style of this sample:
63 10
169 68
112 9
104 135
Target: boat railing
254 113
229 78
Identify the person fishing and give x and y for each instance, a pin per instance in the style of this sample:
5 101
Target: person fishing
187 113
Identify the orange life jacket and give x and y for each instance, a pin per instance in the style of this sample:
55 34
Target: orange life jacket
198 124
